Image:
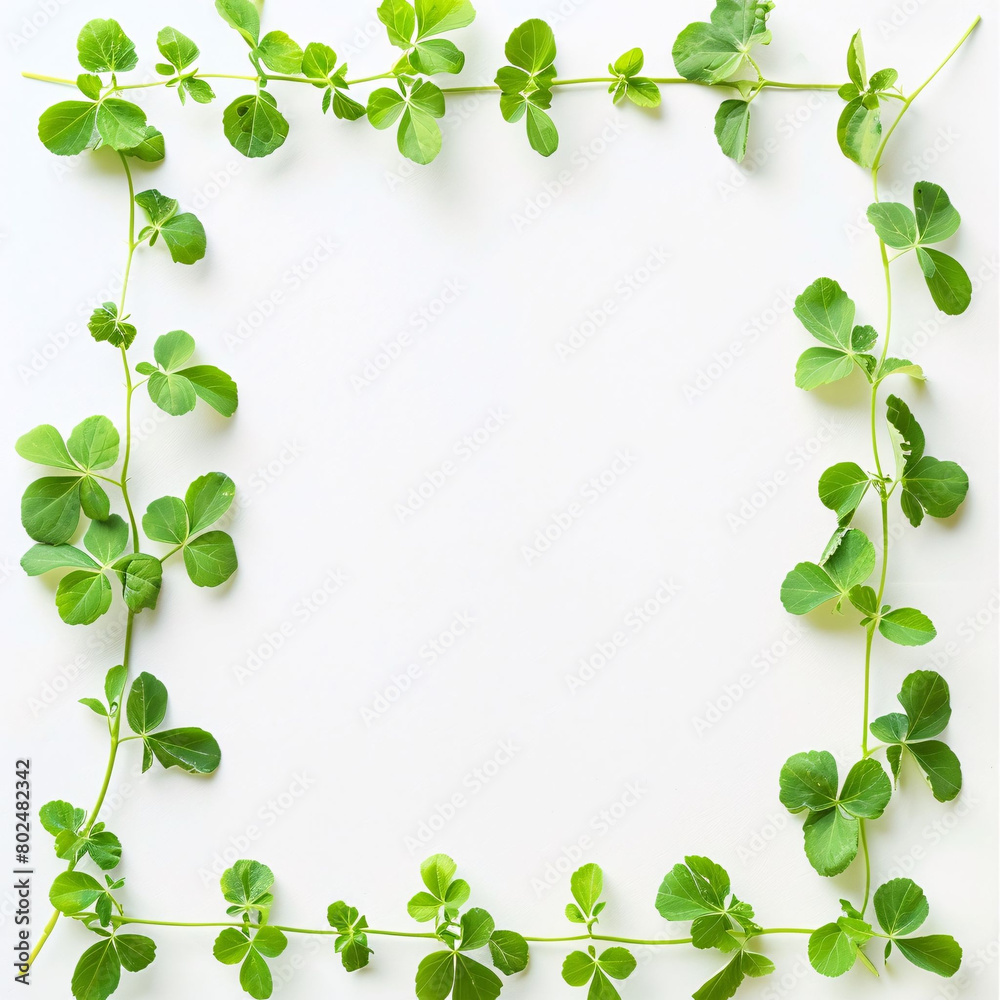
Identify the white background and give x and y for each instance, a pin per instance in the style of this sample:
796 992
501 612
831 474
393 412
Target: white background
321 465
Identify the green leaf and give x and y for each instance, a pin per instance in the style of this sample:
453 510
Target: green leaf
231 946
907 627
45 446
97 707
542 133
866 790
831 841
197 90
114 685
105 324
859 130
587 884
279 53
900 906
58 816
106 540
254 125
423 907
318 62
241 15
94 443
50 509
476 928
900 366
437 872
509 951
141 577
82 597
940 766
121 124
809 781
176 48
146 707
437 55
183 234
208 498
247 886
210 559
151 148
435 975
98 972
939 488
104 48
435 17
346 108
384 107
732 128
927 702
856 68
104 848
192 750
949 283
894 223
578 968
842 488
617 962
135 951
937 219
831 951
806 587
827 312
166 520
215 387
74 891
255 976
820 366
172 393
94 500
937 953
89 85
69 127
474 981
711 52
270 942
352 942
725 983
41 559
531 46
400 21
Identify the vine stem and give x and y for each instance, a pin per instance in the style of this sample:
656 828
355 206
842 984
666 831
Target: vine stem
121 921
883 495
115 727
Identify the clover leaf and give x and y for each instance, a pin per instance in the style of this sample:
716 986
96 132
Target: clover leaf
928 485
175 389
828 313
352 941
699 890
835 947
250 949
859 130
98 972
847 566
927 706
191 750
712 51
526 84
415 107
901 908
640 90
583 967
445 894
933 220
247 888
809 783
413 27
183 234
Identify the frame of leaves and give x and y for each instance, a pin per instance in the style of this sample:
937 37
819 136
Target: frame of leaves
718 53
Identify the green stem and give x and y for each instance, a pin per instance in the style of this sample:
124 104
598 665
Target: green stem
863 836
423 935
